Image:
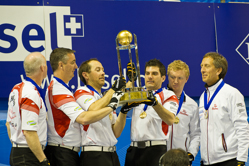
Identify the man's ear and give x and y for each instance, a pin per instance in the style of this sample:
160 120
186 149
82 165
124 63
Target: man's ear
219 70
60 65
163 78
85 75
42 67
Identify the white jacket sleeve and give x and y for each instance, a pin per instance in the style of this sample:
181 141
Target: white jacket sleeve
239 118
194 129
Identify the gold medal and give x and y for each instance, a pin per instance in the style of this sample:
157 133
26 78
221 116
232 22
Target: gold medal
176 120
110 116
205 114
143 115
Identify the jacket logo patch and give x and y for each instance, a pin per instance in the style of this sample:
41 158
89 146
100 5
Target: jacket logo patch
13 100
183 112
215 107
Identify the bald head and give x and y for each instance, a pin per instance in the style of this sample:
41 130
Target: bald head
33 62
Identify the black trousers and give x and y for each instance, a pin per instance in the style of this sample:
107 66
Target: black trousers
58 156
148 156
22 157
95 158
232 162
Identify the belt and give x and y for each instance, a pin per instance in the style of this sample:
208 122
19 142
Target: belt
24 146
99 148
74 148
144 144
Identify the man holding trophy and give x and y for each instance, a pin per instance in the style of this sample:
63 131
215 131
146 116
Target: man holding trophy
151 118
99 138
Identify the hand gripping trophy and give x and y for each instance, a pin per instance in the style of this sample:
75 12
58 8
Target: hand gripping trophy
123 42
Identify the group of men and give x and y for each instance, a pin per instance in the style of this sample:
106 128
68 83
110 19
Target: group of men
87 120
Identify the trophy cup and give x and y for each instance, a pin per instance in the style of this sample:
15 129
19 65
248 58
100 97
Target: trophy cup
123 42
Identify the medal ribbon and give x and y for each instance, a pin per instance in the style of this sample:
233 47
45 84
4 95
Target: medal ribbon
92 89
39 90
158 91
37 87
63 83
206 103
180 104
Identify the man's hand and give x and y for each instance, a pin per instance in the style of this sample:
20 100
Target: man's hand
191 158
130 70
241 163
128 106
45 162
119 84
115 99
151 99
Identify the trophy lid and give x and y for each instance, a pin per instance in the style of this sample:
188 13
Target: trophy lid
124 37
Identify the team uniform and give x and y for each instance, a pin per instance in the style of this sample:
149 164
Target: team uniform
151 131
224 132
26 111
64 135
98 139
185 134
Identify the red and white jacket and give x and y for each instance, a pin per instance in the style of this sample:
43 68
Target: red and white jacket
26 111
224 134
99 133
152 127
62 113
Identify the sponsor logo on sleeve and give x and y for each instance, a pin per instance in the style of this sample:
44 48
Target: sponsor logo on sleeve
173 108
240 105
31 123
173 103
241 110
87 100
77 109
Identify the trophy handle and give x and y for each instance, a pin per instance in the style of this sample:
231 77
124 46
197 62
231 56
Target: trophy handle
119 59
138 66
132 76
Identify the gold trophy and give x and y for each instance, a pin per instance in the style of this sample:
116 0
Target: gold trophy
123 42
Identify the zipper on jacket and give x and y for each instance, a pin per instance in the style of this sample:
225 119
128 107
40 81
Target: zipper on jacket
207 126
224 142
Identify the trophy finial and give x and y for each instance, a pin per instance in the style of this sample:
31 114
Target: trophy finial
124 37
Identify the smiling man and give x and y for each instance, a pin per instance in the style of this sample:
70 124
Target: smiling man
99 138
150 122
223 117
185 132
